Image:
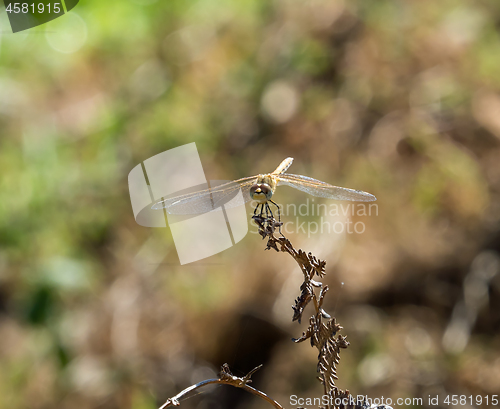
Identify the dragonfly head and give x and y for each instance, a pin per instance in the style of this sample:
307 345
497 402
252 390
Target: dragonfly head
261 192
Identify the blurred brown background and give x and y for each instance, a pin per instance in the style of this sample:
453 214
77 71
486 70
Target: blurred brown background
400 99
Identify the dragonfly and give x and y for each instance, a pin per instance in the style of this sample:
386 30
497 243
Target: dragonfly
261 189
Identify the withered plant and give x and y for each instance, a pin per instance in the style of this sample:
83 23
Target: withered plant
322 331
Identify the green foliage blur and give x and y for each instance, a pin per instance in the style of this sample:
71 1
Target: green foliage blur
400 99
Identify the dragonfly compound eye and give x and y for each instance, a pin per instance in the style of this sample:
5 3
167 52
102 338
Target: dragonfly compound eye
261 192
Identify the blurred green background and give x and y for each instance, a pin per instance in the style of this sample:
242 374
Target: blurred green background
400 99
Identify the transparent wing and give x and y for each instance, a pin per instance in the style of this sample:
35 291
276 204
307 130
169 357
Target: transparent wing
209 199
321 189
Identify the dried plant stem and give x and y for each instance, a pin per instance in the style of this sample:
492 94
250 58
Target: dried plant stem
225 378
322 327
174 400
321 332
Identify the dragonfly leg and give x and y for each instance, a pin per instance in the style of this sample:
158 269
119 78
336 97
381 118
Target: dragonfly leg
255 211
268 211
279 215
261 210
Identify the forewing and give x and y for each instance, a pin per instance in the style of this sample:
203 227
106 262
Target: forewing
209 199
321 189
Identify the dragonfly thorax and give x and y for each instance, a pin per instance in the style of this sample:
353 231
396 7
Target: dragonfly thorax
261 192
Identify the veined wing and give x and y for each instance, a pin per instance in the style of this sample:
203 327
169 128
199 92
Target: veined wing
321 189
209 199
